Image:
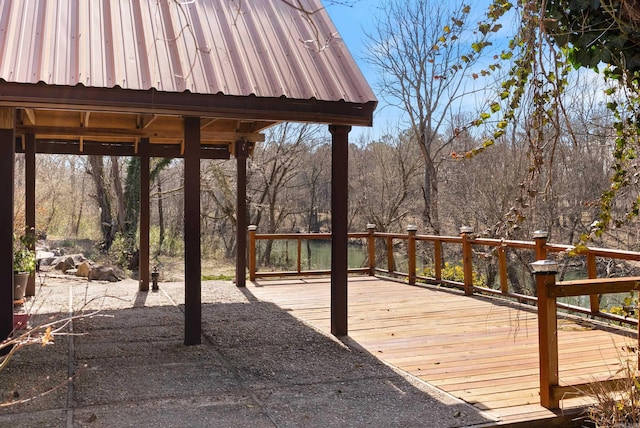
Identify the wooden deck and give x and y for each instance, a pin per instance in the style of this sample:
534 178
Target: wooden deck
478 349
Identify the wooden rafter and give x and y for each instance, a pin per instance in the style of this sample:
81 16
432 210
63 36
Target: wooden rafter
144 120
29 115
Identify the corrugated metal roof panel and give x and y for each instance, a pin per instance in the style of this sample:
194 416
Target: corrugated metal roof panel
264 48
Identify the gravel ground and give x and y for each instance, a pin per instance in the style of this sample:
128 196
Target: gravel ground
257 366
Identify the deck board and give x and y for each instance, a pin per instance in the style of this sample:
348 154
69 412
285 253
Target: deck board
478 349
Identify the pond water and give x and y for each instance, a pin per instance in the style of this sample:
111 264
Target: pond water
315 254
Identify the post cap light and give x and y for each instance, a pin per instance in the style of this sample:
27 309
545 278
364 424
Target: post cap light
252 227
412 228
544 266
371 226
540 234
466 229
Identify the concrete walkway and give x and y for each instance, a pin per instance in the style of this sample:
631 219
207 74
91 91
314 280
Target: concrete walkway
257 367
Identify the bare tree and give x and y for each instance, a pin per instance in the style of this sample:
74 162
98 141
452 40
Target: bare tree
386 182
422 51
275 177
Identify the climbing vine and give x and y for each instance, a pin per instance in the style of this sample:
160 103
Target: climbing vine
554 38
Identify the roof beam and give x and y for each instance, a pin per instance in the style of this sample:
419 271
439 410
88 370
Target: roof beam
25 95
65 132
74 147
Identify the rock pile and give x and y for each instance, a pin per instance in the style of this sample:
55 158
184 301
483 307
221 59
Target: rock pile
78 265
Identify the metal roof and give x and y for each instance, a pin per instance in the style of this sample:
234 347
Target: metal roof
264 48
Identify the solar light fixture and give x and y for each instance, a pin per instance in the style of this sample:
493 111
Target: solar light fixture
154 278
544 266
540 234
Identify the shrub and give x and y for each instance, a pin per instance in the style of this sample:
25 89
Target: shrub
455 273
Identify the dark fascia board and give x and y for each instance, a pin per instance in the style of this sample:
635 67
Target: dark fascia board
72 147
250 107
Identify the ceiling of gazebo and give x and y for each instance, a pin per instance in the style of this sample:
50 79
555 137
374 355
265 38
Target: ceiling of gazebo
97 132
115 71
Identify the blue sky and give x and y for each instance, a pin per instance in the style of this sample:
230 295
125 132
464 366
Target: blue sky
352 22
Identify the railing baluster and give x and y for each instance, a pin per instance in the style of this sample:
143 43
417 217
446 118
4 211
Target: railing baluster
252 252
371 244
391 263
299 254
467 259
437 255
592 273
502 269
411 250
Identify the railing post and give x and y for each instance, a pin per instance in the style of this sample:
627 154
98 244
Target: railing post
467 259
411 244
437 256
371 247
391 263
502 269
545 273
252 252
592 273
540 238
299 265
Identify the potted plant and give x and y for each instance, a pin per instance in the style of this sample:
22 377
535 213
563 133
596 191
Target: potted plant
24 264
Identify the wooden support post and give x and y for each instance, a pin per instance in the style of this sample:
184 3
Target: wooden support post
242 153
30 200
193 266
467 259
437 258
7 165
547 339
252 252
592 273
144 272
371 247
411 250
339 227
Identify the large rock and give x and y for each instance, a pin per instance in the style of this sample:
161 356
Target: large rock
103 273
66 263
84 269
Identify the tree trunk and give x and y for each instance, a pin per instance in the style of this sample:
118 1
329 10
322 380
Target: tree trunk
160 216
117 190
132 203
104 202
430 195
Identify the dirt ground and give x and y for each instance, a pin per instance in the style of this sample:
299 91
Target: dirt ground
257 366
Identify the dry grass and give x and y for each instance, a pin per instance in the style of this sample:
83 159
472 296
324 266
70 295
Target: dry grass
618 406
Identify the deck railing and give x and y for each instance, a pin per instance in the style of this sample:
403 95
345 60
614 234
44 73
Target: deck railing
548 291
539 247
